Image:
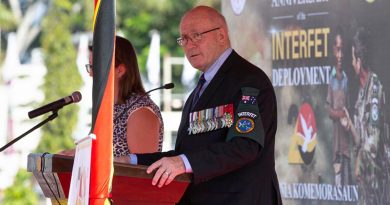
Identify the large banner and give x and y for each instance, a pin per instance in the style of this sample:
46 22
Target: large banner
329 63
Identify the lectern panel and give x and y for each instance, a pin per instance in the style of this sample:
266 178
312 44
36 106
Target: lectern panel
131 184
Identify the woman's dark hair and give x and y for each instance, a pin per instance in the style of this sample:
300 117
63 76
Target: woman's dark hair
130 82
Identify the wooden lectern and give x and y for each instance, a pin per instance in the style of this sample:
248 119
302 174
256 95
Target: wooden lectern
130 186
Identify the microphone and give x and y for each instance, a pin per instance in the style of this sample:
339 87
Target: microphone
56 105
166 86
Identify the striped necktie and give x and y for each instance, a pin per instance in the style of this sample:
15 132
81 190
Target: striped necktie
197 90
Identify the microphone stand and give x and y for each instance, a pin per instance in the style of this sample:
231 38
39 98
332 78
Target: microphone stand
51 117
166 86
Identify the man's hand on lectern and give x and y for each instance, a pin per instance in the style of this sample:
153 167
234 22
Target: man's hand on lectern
167 169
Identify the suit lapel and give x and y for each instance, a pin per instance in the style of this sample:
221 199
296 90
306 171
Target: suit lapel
204 98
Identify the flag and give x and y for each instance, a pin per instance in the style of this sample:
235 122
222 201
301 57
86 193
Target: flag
102 101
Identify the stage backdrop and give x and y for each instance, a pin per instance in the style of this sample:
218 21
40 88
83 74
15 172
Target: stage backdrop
322 158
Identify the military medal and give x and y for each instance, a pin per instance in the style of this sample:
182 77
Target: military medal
213 119
196 123
223 120
228 114
229 120
201 121
216 118
210 119
191 123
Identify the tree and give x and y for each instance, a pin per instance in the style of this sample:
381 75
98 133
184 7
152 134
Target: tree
138 18
21 191
62 76
7 20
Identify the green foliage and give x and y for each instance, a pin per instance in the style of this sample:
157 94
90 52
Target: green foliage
21 192
7 23
83 18
62 76
7 20
136 19
213 3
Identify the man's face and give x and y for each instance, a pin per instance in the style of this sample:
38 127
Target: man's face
202 53
338 52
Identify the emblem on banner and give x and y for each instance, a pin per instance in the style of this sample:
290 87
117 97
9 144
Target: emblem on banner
304 138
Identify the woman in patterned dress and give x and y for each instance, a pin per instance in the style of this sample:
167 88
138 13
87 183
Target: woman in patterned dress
138 125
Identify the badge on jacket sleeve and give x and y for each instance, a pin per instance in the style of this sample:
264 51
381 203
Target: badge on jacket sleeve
247 118
211 119
245 125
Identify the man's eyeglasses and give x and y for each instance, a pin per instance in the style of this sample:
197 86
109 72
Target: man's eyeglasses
194 37
89 68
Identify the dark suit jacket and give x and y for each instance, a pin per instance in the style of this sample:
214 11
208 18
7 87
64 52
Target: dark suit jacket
238 171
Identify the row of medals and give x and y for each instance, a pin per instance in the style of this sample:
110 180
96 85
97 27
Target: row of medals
210 119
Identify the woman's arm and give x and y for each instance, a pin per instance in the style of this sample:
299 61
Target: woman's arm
143 131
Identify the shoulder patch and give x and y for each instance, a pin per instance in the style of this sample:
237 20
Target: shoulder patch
247 119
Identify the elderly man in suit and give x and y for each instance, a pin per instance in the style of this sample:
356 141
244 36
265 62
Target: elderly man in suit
226 137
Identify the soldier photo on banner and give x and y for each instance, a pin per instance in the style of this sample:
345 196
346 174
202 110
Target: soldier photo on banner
368 124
